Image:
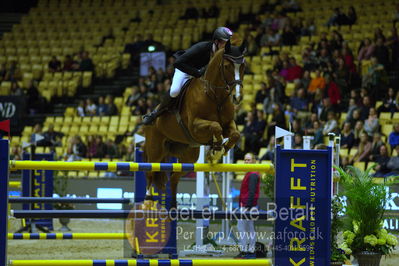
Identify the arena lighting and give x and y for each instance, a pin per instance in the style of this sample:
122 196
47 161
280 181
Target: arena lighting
109 193
151 48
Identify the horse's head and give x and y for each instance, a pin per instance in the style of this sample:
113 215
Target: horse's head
226 70
233 69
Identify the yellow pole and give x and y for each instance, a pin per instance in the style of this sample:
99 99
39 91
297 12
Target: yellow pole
14 184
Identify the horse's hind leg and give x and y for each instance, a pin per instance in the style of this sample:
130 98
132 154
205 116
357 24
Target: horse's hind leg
155 152
189 156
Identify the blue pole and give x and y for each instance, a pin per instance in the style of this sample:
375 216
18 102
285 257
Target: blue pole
4 158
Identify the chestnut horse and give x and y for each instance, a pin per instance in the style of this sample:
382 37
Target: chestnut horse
207 113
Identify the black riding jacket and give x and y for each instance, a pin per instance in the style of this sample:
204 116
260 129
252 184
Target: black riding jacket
193 59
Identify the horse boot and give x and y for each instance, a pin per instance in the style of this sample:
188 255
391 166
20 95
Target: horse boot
165 104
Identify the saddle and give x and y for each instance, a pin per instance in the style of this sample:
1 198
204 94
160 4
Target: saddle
176 109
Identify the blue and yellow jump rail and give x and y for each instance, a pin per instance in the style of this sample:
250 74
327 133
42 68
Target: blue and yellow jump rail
66 236
134 167
194 262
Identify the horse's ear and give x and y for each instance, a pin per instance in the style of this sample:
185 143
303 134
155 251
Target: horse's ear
227 47
243 47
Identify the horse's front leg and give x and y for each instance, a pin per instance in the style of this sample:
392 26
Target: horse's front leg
212 131
233 136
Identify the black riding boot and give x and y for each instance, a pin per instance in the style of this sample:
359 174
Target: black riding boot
165 104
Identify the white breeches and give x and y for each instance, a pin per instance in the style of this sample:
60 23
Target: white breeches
179 78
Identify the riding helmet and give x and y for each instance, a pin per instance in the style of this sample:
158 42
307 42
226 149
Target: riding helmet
222 33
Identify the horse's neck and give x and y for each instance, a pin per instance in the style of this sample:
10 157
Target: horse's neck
214 76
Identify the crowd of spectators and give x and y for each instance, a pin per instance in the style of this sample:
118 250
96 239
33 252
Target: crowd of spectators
102 106
81 61
327 85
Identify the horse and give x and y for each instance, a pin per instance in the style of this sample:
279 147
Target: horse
205 117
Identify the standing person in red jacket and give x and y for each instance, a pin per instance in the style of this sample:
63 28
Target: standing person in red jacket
249 195
333 92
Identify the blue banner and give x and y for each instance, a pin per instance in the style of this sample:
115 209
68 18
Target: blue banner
42 186
303 207
4 159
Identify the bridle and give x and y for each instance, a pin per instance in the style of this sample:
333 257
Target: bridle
228 85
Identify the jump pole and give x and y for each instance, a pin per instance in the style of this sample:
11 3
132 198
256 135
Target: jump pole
152 262
4 158
66 236
127 166
14 184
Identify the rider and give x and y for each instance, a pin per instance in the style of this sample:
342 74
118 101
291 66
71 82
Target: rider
190 63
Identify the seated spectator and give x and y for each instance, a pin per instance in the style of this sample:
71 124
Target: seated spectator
16 152
375 146
364 149
347 136
13 72
358 130
191 12
355 118
297 127
269 155
81 108
111 107
366 50
337 19
298 142
331 125
90 108
272 38
294 71
381 52
3 71
278 119
70 64
52 137
393 138
393 163
252 133
318 82
308 125
382 159
299 102
91 147
317 133
374 78
288 36
111 150
79 149
352 106
262 93
37 132
212 11
16 90
54 65
100 147
372 124
351 16
388 104
102 109
334 93
86 64
324 109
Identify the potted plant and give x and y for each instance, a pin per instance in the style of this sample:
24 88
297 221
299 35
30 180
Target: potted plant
60 188
365 238
338 256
